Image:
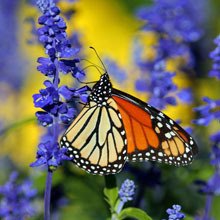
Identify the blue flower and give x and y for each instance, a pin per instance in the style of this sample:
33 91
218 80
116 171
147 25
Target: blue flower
52 34
127 191
44 4
210 187
61 58
215 156
177 19
70 66
174 213
71 93
208 112
185 95
169 48
115 71
44 118
46 98
160 86
215 56
12 59
47 67
176 27
16 201
50 154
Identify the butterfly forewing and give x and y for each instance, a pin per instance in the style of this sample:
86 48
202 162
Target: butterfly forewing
96 140
151 134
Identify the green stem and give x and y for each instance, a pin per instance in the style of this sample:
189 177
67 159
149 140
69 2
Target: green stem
111 183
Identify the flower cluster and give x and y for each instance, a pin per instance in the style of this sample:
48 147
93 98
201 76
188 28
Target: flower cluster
176 23
175 26
208 113
160 87
57 46
174 213
16 201
212 187
175 18
127 190
157 86
61 58
50 154
215 56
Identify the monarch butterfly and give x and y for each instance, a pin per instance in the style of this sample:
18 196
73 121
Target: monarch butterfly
115 127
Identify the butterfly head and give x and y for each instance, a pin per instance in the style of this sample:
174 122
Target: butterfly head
101 91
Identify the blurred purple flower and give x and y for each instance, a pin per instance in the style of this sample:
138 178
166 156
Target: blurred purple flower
16 201
178 19
174 213
115 71
185 95
12 62
208 112
159 84
211 186
215 56
176 25
127 191
215 156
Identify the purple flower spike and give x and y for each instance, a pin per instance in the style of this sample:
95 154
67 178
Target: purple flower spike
215 56
54 111
176 26
126 193
50 154
16 201
178 19
208 112
174 213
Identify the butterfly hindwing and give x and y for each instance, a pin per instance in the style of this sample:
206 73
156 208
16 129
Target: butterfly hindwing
151 134
96 140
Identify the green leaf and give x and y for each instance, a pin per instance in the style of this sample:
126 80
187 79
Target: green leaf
85 200
134 213
111 196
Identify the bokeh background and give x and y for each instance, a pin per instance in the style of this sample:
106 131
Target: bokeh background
112 28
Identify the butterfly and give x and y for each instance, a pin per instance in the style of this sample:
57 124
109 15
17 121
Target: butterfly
115 127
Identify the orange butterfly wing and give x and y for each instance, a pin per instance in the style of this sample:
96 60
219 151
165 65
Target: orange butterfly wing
152 135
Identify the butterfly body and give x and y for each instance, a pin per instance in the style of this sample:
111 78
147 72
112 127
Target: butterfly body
115 127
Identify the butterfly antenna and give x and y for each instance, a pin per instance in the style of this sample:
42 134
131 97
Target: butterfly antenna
92 64
99 58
